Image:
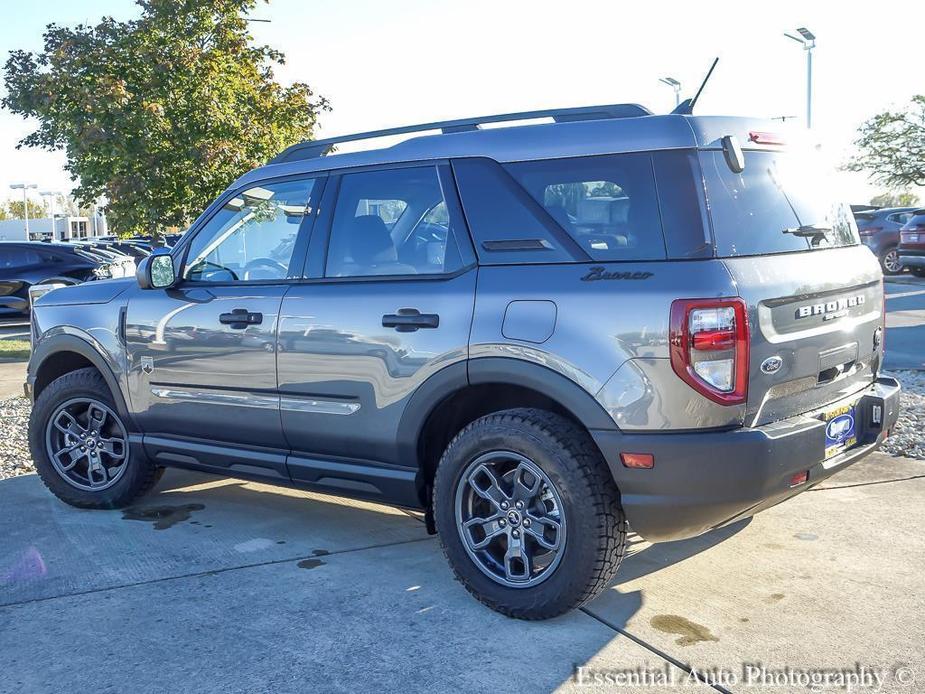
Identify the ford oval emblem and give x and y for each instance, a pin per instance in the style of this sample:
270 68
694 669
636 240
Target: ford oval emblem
771 365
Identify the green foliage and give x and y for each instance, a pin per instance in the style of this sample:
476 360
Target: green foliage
891 146
161 113
14 210
902 199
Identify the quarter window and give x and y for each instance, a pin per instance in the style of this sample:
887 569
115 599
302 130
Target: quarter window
607 204
252 237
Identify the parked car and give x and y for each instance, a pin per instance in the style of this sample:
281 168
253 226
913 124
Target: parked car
24 264
121 264
879 230
912 243
534 334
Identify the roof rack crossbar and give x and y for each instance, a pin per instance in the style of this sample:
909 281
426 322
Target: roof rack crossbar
311 149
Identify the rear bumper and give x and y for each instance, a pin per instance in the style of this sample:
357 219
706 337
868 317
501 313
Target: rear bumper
704 480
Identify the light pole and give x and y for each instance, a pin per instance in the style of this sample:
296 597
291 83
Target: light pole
25 201
807 39
54 226
675 85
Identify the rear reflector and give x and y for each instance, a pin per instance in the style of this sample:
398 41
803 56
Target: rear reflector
799 478
642 461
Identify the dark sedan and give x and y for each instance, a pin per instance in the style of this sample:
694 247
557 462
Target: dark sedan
912 243
879 231
23 265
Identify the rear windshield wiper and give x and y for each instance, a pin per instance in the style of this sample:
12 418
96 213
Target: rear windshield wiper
808 231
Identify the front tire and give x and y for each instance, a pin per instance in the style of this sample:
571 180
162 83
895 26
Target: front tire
528 514
80 444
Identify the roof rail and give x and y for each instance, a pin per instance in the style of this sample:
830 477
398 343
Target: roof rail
311 149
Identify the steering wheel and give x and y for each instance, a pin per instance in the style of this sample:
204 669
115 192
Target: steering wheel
267 263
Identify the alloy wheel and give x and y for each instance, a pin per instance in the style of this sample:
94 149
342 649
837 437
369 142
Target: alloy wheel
891 261
87 444
510 518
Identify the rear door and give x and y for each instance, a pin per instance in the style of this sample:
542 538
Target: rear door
386 303
202 354
814 294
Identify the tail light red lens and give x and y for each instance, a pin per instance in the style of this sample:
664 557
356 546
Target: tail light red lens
709 342
869 231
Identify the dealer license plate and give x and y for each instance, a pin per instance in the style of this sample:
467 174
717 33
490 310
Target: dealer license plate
841 430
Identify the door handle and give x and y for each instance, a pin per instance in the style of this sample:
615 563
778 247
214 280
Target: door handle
240 318
408 320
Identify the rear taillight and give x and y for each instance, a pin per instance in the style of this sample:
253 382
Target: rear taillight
869 231
709 347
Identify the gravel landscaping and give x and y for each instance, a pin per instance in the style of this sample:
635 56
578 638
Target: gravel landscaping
906 440
14 454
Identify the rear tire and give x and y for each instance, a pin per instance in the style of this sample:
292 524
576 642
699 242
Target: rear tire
890 263
540 483
80 446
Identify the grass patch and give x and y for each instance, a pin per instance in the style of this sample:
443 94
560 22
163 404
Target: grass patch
18 350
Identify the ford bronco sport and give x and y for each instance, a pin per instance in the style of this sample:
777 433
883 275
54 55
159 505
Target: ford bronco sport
540 335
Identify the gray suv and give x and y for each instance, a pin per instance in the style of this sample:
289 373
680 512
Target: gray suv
539 335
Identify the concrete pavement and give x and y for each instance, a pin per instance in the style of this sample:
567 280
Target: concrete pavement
219 585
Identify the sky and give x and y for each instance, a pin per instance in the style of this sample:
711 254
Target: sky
388 63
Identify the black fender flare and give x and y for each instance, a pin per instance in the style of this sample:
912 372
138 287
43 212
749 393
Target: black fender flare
57 344
500 370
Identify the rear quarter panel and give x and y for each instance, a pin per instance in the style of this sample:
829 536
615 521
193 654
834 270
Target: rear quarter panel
610 336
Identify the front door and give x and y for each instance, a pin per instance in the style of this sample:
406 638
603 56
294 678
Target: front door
386 307
202 355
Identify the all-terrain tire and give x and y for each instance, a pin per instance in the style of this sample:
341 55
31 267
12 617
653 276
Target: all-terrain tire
595 542
140 473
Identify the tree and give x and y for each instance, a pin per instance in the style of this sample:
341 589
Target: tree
161 113
14 210
902 199
891 146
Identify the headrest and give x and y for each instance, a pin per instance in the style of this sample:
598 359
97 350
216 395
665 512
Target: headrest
370 241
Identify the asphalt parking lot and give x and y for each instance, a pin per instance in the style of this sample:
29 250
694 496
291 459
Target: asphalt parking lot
215 585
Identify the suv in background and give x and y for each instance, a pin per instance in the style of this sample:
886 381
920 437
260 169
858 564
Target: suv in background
879 230
25 264
538 335
912 243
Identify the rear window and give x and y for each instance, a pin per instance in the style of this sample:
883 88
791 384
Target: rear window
780 203
607 204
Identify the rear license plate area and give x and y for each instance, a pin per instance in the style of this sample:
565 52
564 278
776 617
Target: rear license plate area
841 429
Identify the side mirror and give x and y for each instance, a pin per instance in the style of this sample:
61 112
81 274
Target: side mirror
156 271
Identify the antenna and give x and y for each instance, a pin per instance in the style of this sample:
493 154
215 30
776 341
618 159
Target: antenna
686 107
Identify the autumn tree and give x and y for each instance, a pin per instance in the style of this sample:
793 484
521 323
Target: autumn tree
161 113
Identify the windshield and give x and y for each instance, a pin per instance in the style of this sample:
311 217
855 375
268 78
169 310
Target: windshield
780 203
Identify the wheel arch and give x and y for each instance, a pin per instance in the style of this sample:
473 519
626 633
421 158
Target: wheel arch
465 391
61 354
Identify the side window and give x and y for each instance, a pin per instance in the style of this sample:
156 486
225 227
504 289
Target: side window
392 222
900 217
607 204
252 237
